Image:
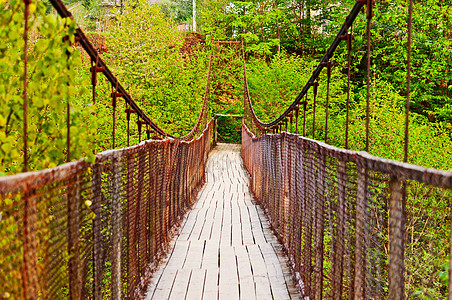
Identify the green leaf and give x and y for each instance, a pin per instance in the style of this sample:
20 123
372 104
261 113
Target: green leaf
6 147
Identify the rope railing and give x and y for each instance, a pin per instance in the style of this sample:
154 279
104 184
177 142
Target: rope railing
96 230
342 219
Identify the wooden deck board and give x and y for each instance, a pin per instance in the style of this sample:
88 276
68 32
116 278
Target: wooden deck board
196 284
225 248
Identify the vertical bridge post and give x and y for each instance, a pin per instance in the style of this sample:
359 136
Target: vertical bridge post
116 227
396 241
361 233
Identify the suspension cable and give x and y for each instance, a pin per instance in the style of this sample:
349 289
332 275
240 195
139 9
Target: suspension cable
369 37
408 79
102 67
329 54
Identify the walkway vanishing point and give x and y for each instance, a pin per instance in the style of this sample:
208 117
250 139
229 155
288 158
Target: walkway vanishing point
225 248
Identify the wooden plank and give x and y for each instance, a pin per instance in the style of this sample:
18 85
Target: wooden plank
284 264
200 218
226 248
164 286
210 257
186 230
260 275
194 255
275 273
217 225
226 226
254 215
211 284
178 256
180 285
241 197
258 234
228 281
247 235
257 261
263 291
246 281
208 223
196 284
236 234
205 198
235 211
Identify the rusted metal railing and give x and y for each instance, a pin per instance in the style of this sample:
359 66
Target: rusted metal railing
95 231
341 218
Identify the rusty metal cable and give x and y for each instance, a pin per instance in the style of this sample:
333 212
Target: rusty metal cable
304 115
25 95
329 54
327 99
408 79
369 37
349 62
68 129
314 90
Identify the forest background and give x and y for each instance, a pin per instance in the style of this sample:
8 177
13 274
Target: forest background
165 71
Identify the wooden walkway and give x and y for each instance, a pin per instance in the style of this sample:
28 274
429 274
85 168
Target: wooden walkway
225 248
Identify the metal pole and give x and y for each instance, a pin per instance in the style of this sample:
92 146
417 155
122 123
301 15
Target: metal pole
327 99
349 48
369 36
194 15
25 95
396 241
408 79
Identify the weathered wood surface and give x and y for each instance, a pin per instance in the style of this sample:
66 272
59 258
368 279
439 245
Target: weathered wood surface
225 248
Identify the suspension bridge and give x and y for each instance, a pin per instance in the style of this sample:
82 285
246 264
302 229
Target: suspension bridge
281 216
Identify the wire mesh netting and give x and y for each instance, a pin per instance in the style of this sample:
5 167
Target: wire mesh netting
95 231
353 225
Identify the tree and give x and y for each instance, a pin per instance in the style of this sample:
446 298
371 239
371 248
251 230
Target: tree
167 85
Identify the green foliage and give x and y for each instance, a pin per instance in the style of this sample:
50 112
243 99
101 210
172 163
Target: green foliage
259 23
274 86
269 26
180 11
227 79
51 74
309 27
229 130
169 87
431 51
428 145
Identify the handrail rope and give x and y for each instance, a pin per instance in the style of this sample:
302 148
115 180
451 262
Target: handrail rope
323 62
62 10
